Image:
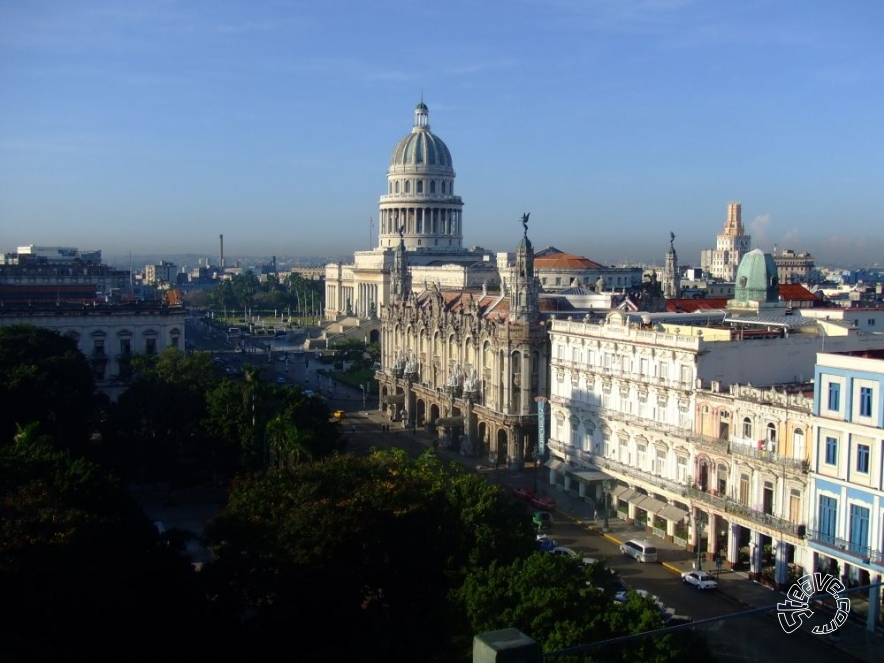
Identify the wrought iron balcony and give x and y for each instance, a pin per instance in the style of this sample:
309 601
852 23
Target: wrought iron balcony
634 473
842 547
729 505
752 451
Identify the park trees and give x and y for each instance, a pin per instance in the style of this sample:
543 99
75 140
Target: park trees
82 571
44 378
372 544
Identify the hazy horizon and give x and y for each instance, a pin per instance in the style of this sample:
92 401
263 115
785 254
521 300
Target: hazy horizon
155 127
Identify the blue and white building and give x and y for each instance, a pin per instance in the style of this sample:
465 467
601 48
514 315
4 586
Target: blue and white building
846 536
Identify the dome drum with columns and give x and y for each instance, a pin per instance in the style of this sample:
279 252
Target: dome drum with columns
420 214
420 200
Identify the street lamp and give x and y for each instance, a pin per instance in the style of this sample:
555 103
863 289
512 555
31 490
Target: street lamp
362 386
607 485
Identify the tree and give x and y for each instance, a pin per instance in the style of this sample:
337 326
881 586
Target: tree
81 568
44 378
547 597
358 542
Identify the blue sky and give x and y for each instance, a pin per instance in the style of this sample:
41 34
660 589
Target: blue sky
155 126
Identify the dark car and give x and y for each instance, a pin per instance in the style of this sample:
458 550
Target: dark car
523 493
543 502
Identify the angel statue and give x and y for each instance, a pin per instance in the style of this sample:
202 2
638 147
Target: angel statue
525 221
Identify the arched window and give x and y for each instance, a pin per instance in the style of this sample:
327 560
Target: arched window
397 187
747 428
407 186
432 186
420 186
771 432
443 187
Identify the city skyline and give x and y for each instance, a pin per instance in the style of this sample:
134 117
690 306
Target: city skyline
155 128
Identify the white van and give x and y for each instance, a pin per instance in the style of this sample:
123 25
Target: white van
640 550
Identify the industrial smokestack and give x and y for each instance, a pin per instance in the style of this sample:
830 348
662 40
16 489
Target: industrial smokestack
221 254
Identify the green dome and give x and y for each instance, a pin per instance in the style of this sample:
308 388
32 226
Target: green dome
757 278
421 150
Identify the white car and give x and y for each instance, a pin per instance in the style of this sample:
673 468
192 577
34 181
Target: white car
623 597
699 579
563 550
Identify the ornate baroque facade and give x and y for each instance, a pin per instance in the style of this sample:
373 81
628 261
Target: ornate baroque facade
468 364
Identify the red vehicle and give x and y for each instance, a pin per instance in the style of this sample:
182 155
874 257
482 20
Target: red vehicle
543 502
523 493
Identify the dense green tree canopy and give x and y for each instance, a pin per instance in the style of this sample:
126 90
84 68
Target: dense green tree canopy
45 379
83 574
369 547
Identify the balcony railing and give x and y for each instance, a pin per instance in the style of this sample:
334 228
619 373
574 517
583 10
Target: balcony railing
628 470
751 451
729 505
709 443
861 552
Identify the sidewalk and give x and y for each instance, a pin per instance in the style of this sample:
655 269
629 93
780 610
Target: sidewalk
852 638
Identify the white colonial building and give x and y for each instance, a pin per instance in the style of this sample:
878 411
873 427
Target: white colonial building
663 406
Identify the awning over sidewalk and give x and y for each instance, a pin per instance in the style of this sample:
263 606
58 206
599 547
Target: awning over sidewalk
628 495
553 464
673 513
649 504
618 491
590 475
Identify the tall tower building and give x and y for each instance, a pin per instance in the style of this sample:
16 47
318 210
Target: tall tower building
523 286
730 247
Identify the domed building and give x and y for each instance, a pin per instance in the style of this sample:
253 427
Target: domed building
419 214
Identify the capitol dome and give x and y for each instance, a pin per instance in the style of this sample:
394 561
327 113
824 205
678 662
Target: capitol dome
420 209
421 149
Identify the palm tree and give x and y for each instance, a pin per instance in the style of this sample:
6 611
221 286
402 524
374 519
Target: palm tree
286 444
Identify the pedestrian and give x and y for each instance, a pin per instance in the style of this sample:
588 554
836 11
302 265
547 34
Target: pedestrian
595 516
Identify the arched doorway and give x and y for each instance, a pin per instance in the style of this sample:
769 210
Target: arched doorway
420 407
484 442
374 336
431 422
502 443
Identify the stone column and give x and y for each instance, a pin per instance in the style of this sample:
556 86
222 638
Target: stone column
733 545
581 489
874 602
712 538
755 551
694 531
781 569
630 512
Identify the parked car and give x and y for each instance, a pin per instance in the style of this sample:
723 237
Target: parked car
339 414
545 543
570 552
523 493
665 613
280 380
699 579
543 502
542 520
643 551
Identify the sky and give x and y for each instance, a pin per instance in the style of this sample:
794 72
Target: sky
155 126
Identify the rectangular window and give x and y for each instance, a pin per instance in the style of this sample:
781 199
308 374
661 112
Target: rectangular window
859 530
642 450
862 458
98 347
660 462
744 489
827 518
150 347
834 396
865 401
125 347
831 451
682 467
